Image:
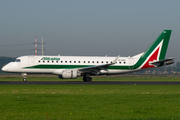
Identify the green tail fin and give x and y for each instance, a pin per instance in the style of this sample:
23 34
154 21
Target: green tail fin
156 51
164 36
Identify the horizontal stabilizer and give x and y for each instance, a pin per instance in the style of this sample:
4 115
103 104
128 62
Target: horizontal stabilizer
163 62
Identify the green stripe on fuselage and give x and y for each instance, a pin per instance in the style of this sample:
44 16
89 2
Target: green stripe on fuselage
73 67
57 66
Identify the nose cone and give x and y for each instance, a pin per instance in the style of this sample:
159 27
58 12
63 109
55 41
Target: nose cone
5 68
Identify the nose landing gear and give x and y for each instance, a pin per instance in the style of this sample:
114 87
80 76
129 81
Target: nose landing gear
24 77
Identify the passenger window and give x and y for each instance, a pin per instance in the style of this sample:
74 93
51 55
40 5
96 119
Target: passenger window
61 61
65 61
97 62
57 61
43 61
39 61
119 62
106 61
52 61
88 61
69 61
124 62
74 61
84 61
92 61
79 62
102 61
48 61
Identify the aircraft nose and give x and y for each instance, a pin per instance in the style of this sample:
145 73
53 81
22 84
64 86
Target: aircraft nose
5 68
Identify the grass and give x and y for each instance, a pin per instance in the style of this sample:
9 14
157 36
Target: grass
89 102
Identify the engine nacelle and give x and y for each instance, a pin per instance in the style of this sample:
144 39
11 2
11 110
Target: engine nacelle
69 74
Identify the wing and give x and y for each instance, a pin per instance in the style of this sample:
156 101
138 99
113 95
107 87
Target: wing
97 68
163 62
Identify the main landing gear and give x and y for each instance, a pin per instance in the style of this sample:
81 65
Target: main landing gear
86 78
24 77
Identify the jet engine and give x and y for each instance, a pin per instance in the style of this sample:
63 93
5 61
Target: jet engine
69 74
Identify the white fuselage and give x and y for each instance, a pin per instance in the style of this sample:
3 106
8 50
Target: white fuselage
56 64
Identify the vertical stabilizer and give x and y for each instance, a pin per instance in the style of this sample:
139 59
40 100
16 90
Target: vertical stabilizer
156 51
162 43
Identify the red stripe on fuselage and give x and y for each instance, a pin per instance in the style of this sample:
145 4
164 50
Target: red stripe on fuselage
152 58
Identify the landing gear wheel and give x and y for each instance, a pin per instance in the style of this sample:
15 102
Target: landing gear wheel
84 79
24 79
87 79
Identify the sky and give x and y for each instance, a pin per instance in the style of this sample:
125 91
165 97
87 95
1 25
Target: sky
87 27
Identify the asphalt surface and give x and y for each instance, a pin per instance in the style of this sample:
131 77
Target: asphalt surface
85 83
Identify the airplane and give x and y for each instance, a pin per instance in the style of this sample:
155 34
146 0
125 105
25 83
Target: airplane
71 67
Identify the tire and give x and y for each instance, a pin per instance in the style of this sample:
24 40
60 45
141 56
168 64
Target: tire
85 79
89 79
24 79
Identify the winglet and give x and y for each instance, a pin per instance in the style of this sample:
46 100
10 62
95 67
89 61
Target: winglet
115 59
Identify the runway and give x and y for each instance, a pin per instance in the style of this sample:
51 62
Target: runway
85 83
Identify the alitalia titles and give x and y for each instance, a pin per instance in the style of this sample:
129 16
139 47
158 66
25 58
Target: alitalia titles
48 58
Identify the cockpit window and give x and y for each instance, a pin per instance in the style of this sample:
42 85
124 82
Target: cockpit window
18 60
